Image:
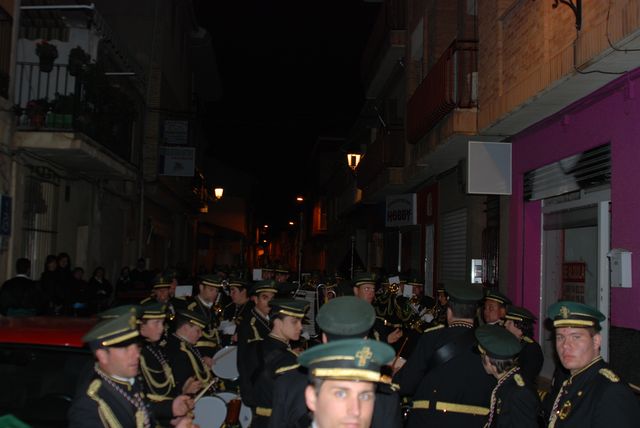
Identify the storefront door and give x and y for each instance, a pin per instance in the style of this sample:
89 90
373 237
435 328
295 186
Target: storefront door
575 243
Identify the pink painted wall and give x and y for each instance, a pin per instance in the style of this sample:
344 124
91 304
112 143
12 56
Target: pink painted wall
611 114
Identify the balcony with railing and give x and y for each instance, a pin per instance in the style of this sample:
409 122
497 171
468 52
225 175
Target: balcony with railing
69 114
381 167
385 46
449 86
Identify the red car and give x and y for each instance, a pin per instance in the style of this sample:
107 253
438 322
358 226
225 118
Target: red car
41 359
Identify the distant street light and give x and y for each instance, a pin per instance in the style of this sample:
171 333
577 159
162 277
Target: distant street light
353 159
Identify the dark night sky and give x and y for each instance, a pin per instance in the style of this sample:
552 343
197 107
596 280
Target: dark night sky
290 72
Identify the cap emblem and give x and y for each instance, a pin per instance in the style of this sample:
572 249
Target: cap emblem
132 322
565 312
363 355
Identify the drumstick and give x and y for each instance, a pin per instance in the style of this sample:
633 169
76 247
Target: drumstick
205 389
224 354
395 360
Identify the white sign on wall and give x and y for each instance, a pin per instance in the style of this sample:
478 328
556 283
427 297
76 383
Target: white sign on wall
177 161
401 210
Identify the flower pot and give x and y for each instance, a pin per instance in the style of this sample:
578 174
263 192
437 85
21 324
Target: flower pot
46 64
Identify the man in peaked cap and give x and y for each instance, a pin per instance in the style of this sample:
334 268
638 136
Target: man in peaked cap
253 329
274 352
157 376
112 396
495 307
343 375
513 402
364 287
235 312
206 303
519 322
592 396
346 317
444 375
185 359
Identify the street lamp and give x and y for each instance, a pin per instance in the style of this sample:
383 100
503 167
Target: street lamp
353 159
217 192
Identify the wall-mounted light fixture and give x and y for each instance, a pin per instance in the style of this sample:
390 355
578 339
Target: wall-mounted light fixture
353 159
217 192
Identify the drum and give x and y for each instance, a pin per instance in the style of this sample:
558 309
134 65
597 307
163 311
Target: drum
245 412
225 364
210 412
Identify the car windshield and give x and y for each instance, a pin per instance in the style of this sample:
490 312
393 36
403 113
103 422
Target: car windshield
40 382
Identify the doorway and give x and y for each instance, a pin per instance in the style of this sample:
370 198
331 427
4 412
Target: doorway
575 243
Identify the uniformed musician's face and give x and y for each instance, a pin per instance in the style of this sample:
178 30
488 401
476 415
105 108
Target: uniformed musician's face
262 301
366 292
162 294
208 294
191 332
341 403
238 296
442 298
120 361
577 347
291 328
152 329
492 311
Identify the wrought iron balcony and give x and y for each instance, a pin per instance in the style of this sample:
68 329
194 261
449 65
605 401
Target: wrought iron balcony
450 84
83 102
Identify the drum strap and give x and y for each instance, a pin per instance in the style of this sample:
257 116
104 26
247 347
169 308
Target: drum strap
451 349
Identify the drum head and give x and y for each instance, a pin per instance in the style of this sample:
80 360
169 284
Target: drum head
225 364
210 412
245 412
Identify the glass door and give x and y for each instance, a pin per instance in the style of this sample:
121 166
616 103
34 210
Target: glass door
575 243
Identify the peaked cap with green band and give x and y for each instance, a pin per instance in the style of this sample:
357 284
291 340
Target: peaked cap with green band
463 292
264 285
566 313
193 317
498 297
153 310
162 281
114 332
212 280
497 342
348 359
517 313
290 307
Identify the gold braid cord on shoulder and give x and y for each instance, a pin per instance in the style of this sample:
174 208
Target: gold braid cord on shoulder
203 377
256 334
158 388
104 411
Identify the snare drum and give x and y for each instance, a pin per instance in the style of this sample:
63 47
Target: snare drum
245 412
225 364
210 412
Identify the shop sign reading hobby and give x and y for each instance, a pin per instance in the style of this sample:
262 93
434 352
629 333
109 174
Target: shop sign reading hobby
401 210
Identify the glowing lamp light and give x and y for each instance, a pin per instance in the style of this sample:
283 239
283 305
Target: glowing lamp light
353 159
217 192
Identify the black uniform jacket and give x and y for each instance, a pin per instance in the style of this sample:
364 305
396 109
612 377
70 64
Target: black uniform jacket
158 382
595 397
453 394
234 313
275 354
530 360
185 361
99 405
514 403
209 343
250 332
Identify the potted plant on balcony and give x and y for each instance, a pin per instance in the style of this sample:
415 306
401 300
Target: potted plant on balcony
36 111
47 53
78 60
62 111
